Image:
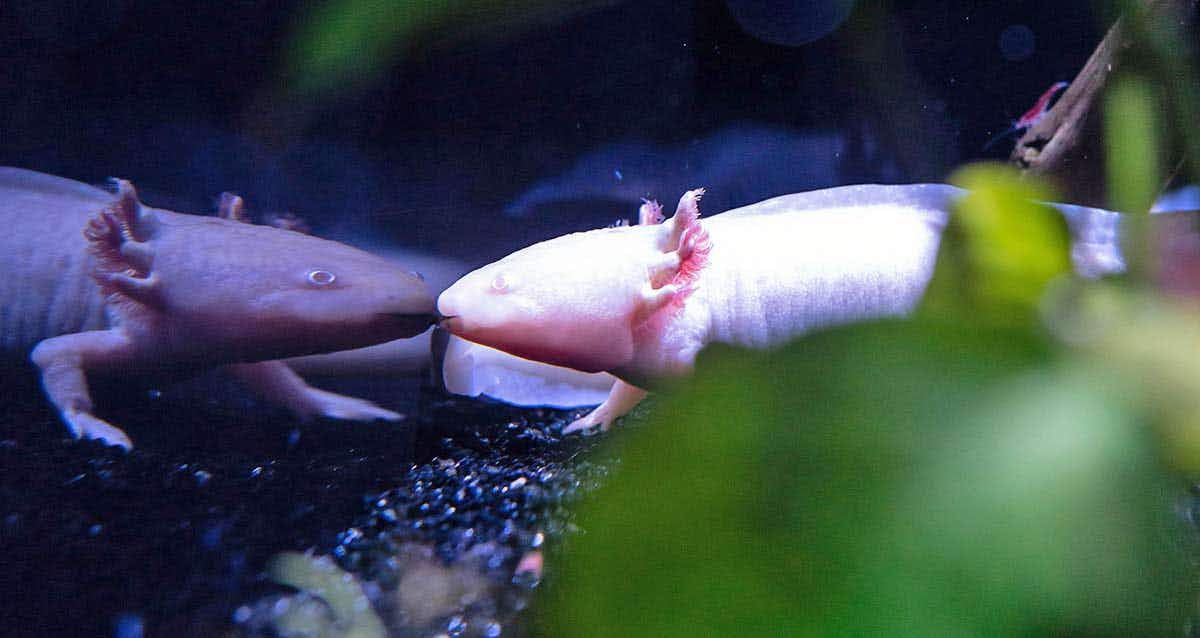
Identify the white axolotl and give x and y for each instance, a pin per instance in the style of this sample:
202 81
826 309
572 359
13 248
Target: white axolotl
641 301
99 284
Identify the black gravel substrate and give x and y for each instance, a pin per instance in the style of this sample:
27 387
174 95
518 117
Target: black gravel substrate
172 539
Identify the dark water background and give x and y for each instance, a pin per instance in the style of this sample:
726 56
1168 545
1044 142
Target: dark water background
183 98
442 151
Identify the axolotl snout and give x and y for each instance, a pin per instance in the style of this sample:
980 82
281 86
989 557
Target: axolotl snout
642 301
99 283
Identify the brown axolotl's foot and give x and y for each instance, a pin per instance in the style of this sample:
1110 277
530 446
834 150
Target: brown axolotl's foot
274 381
85 425
620 401
62 361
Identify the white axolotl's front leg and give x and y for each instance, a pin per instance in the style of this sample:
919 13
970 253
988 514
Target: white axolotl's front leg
623 398
664 345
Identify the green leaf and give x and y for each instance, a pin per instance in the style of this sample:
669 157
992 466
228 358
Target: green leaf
1001 248
887 479
339 44
1131 129
318 576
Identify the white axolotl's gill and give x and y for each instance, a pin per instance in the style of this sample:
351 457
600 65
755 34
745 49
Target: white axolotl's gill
641 301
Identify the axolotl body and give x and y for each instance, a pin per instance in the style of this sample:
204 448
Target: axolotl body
98 283
642 301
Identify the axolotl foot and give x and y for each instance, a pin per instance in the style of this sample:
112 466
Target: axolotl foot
277 383
339 406
620 401
588 422
87 426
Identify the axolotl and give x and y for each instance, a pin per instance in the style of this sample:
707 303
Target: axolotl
99 283
641 301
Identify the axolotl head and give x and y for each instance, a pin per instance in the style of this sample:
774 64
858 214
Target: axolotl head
317 295
240 291
580 300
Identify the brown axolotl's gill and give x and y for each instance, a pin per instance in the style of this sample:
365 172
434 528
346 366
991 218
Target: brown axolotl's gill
98 283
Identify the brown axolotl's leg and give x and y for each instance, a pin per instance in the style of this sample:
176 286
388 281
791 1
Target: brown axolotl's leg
276 382
63 361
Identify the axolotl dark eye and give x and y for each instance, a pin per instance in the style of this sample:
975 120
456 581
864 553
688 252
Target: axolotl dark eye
320 278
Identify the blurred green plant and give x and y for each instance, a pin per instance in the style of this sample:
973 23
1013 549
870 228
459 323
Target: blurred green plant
988 467
339 44
1162 59
1132 132
332 603
900 478
1001 247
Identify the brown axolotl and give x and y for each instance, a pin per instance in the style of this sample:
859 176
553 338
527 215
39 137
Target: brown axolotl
98 283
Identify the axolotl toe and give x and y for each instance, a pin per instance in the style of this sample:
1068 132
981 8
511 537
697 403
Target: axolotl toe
99 283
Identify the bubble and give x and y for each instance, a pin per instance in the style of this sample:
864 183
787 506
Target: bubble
1017 42
790 22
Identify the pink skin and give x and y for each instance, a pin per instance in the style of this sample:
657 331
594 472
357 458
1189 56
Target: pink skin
612 311
148 290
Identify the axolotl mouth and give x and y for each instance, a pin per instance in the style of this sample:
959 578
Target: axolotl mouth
449 322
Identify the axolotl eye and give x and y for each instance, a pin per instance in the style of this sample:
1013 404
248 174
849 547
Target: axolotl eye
320 278
503 283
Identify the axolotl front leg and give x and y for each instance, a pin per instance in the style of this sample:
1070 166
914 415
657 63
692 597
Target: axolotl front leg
63 361
664 286
621 399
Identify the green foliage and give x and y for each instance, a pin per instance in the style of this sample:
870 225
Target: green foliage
1131 131
1002 247
887 479
1161 57
342 43
346 611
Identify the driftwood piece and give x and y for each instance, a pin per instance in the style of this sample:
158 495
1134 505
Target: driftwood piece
1066 145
